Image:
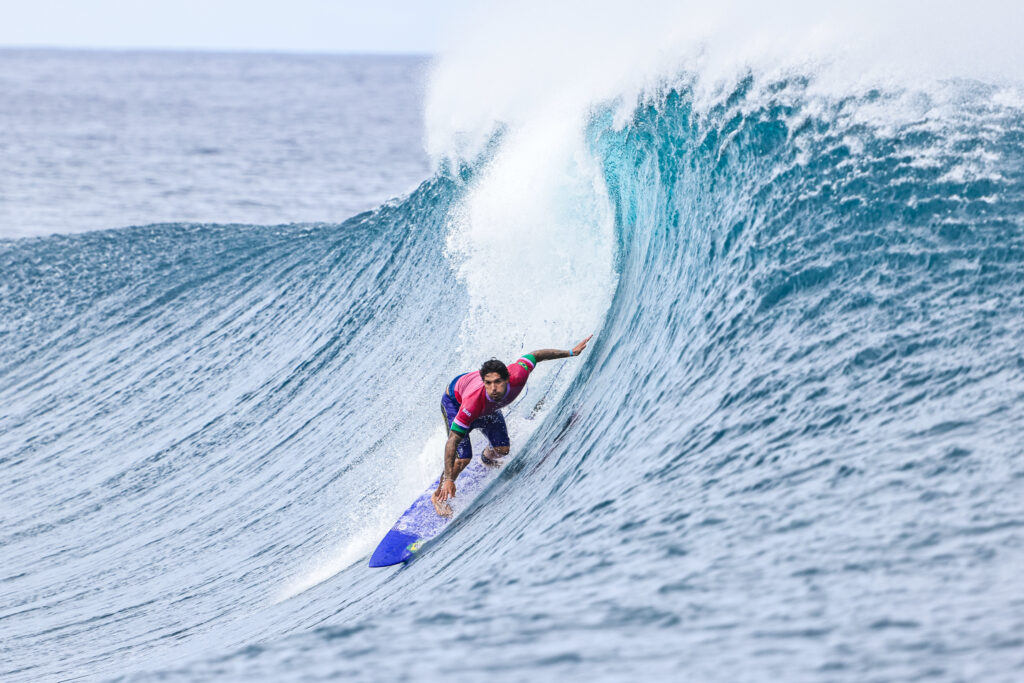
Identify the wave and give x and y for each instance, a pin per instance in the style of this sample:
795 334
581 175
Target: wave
793 440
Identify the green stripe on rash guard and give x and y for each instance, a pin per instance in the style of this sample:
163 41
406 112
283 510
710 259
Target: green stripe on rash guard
459 430
530 357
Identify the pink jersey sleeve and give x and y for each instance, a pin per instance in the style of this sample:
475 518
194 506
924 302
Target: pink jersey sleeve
519 371
469 410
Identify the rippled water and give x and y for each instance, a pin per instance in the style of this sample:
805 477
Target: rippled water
95 140
792 452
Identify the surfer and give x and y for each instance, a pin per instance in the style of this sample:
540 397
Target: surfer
472 401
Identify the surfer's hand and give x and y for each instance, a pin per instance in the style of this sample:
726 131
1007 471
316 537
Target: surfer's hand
578 349
446 490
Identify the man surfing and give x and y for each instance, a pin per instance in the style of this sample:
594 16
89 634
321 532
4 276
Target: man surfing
473 401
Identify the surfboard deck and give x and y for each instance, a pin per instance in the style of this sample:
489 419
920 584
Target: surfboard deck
420 522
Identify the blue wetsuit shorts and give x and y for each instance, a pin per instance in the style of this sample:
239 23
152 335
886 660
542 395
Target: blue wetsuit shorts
493 427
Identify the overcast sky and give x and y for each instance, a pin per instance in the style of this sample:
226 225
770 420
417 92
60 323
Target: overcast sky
388 26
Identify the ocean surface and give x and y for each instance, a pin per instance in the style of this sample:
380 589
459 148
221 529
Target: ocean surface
93 140
233 288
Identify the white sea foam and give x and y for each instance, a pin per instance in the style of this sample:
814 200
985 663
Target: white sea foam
512 65
365 526
533 241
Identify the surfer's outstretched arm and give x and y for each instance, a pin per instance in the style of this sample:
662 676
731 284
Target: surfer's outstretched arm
552 354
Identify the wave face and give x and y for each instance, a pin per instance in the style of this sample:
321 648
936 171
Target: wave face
791 452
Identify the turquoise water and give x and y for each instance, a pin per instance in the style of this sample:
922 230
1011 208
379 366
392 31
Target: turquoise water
791 453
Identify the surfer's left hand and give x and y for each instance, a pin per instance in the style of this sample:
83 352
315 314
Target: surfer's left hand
578 349
446 490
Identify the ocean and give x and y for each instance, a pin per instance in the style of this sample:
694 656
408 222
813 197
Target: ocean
234 286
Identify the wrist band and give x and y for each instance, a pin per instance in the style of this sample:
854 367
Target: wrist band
570 353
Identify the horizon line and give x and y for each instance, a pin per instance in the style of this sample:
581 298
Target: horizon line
220 50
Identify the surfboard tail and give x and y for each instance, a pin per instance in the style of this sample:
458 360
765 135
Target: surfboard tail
396 547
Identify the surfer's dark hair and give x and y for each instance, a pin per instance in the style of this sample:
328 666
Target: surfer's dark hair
494 365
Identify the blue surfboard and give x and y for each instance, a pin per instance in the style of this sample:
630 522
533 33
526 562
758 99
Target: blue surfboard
420 522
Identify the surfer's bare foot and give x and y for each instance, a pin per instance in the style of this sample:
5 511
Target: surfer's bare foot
442 507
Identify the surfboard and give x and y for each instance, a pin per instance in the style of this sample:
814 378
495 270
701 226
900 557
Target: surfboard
420 522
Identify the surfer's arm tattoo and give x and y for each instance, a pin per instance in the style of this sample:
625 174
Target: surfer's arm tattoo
549 354
450 448
552 353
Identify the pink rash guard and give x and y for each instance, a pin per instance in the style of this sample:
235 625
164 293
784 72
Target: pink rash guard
474 403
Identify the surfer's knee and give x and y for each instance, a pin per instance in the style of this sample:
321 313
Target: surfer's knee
501 450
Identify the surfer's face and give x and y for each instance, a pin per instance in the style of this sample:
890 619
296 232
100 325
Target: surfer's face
495 385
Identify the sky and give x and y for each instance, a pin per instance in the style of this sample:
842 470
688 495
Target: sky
361 26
